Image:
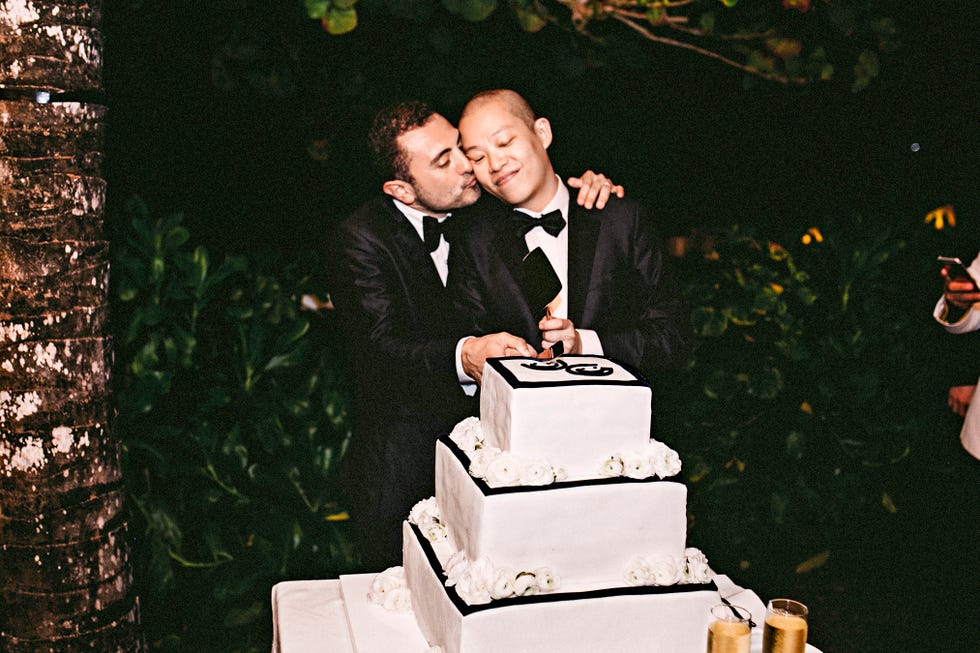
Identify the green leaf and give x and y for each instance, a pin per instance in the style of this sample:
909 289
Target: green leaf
794 445
778 506
707 22
708 322
533 18
656 14
317 9
887 502
865 70
471 10
340 21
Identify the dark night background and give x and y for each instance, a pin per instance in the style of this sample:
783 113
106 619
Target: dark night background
250 119
216 108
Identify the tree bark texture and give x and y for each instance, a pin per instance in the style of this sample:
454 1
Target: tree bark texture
65 576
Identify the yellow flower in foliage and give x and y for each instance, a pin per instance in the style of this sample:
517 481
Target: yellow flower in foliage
812 235
777 252
802 5
776 288
941 217
806 408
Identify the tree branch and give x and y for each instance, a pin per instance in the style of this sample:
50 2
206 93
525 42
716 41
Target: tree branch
782 79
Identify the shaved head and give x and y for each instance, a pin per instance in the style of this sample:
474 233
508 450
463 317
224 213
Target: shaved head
515 104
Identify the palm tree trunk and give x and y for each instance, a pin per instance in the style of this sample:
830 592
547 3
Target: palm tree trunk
65 576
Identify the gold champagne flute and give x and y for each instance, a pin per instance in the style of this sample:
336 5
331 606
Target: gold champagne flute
729 630
786 627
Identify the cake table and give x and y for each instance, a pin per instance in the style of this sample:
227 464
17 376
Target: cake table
317 616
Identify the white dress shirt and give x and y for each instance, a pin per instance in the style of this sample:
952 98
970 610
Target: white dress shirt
556 249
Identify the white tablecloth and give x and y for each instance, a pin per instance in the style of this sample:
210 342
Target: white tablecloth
308 616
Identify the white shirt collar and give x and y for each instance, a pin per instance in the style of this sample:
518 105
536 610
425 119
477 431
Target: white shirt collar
414 216
558 201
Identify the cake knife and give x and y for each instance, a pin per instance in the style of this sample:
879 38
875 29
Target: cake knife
726 588
541 288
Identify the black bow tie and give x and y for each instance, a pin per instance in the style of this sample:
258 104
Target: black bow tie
552 222
432 229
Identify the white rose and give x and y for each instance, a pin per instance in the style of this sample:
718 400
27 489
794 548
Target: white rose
525 584
664 571
481 459
664 460
468 434
503 585
536 472
424 512
638 573
503 470
398 599
434 532
454 567
611 466
473 585
637 465
547 581
387 581
697 566
560 473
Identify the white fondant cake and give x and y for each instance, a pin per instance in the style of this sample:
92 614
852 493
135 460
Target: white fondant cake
552 528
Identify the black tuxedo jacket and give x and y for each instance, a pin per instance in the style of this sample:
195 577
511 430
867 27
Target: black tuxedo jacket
402 332
618 282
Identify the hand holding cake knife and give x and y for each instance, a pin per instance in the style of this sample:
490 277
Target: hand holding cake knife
542 289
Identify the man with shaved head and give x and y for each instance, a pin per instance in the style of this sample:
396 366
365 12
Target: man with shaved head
617 296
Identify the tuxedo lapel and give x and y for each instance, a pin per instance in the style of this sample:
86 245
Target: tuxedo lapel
422 283
583 233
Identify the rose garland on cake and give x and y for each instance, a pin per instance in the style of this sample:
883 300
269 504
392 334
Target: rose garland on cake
389 590
666 570
478 581
655 459
502 468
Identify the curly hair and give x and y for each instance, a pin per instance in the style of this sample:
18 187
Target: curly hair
389 160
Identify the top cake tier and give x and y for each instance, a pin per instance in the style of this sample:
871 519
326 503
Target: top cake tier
575 411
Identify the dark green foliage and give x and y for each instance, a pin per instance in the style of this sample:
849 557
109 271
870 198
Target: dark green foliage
798 414
233 416
800 405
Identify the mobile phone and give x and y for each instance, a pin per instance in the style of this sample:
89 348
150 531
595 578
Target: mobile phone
956 270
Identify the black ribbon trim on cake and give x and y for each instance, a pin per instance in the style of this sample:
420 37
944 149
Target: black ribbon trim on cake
584 379
557 485
553 597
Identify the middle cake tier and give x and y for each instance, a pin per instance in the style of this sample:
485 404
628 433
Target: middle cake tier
588 533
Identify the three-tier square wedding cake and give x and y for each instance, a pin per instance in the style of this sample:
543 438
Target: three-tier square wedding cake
557 523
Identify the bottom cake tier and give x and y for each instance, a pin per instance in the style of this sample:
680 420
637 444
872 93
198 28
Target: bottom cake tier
670 619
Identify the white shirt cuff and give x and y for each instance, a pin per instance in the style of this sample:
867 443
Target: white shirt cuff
465 381
590 342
